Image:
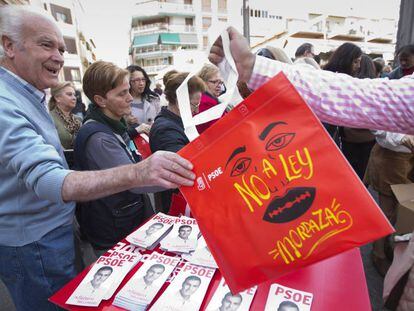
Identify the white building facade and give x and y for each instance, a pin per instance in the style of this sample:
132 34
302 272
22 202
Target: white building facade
169 33
326 24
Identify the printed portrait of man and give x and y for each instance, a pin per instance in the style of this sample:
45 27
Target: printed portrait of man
153 273
231 302
184 232
153 228
188 288
94 286
288 306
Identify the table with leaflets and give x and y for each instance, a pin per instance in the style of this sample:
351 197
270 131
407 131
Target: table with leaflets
338 282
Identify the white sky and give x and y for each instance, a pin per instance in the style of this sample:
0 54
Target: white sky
108 24
108 21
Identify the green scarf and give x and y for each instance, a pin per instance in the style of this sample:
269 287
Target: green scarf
95 113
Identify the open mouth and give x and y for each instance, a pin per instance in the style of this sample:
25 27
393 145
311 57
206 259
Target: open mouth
292 205
53 71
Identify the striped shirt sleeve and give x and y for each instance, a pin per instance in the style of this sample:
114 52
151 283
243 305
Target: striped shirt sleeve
379 104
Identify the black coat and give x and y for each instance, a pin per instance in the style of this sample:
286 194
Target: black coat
167 132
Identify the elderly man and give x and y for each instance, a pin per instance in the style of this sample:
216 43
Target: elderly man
37 189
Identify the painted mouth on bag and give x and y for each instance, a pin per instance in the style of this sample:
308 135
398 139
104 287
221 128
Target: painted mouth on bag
292 205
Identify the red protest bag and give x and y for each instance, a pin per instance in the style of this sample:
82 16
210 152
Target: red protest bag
142 144
273 193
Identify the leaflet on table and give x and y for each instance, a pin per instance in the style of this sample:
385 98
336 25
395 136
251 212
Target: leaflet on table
183 236
103 278
141 289
201 256
149 234
186 292
282 298
223 299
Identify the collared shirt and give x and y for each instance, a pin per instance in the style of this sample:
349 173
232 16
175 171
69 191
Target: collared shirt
30 88
32 165
379 104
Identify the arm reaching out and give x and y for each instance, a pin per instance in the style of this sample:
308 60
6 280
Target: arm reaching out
163 169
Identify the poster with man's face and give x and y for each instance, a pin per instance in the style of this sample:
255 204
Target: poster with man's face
282 298
152 231
224 300
187 290
183 236
149 278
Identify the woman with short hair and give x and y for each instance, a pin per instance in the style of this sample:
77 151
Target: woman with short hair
210 74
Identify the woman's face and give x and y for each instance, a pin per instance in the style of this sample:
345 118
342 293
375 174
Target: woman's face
356 64
138 82
195 102
214 84
117 102
66 99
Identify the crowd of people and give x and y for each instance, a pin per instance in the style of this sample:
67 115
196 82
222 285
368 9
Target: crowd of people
53 156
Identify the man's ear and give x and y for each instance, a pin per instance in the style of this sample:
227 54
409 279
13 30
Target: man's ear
99 100
8 46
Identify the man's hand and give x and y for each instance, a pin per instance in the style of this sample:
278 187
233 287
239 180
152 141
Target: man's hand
143 128
408 141
239 47
164 169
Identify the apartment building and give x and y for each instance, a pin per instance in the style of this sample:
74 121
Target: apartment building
166 33
325 24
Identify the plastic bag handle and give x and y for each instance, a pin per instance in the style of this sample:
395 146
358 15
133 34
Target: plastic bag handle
229 73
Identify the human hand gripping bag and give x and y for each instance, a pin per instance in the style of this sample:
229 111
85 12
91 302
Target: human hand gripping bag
273 193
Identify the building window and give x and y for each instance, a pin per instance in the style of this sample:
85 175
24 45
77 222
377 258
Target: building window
222 6
189 21
205 41
222 20
206 5
61 14
71 45
72 74
206 22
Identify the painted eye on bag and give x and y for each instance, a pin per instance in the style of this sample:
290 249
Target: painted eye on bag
240 166
279 141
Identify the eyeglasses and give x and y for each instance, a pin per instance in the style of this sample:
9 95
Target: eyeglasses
138 80
216 82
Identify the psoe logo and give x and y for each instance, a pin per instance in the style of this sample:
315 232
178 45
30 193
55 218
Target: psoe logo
200 184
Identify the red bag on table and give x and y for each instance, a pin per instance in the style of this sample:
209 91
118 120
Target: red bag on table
273 193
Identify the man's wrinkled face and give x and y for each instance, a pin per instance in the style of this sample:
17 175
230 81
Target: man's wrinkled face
39 57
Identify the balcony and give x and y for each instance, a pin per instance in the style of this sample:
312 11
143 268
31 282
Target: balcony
300 28
163 27
155 8
153 70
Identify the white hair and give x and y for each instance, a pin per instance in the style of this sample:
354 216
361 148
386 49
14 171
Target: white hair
12 19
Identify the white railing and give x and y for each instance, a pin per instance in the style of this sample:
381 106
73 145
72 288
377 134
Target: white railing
163 27
154 69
